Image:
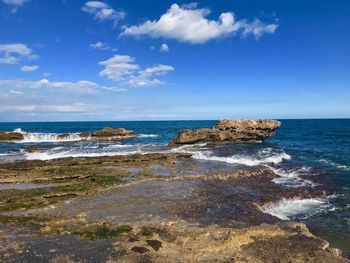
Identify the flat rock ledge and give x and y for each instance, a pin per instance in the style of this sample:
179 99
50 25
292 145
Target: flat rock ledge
109 134
229 131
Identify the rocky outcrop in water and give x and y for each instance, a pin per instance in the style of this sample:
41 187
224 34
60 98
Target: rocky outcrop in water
110 134
10 136
230 131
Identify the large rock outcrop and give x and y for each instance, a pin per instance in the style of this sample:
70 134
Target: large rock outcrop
10 136
109 134
230 131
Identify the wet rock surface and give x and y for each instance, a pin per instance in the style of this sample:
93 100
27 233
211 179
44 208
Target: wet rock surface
110 134
92 215
10 136
230 131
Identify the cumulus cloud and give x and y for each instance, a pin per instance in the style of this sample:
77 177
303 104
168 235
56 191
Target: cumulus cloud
103 12
13 53
118 67
164 48
147 77
188 23
124 70
29 68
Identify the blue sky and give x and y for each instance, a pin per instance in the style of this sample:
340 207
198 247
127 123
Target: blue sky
155 60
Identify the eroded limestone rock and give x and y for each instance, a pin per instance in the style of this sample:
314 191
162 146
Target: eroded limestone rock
230 131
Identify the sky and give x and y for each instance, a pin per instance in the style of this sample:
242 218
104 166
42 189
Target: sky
72 60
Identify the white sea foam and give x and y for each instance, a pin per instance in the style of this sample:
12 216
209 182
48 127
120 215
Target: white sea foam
148 135
65 154
6 154
244 159
47 137
291 177
89 150
288 208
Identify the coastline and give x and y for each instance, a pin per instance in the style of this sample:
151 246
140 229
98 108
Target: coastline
177 212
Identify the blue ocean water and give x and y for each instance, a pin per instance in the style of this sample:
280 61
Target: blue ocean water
305 153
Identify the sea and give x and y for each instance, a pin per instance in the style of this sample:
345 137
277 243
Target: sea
304 153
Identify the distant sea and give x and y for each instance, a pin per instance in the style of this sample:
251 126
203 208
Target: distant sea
303 153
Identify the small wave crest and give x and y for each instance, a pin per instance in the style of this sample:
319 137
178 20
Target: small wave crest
335 164
291 177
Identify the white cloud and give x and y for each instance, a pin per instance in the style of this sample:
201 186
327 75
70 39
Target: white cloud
29 68
102 11
118 67
12 53
114 89
8 60
15 92
101 46
15 2
124 70
164 48
82 86
74 107
147 77
189 24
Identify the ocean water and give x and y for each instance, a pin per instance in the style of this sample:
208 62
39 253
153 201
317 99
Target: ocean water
305 153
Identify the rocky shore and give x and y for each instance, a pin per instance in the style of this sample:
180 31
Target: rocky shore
230 131
159 207
106 134
121 209
10 136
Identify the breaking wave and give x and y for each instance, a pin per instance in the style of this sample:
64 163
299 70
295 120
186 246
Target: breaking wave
90 150
286 209
30 137
259 159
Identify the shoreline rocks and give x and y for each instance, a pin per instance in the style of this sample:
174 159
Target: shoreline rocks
10 136
105 134
229 131
109 134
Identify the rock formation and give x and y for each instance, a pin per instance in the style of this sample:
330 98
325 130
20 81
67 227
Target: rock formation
109 134
230 131
10 136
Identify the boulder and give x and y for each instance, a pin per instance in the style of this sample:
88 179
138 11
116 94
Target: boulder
109 134
230 131
10 136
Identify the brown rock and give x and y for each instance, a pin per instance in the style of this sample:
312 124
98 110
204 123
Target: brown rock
140 250
109 134
230 131
10 136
